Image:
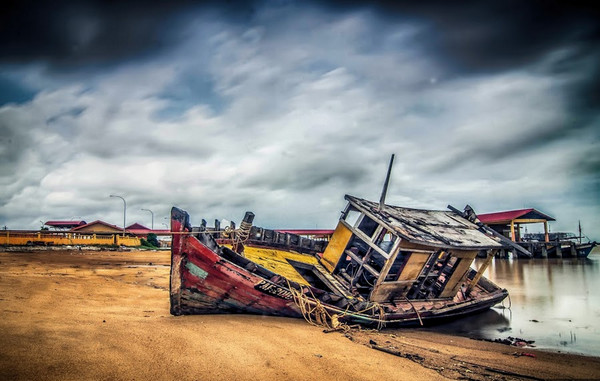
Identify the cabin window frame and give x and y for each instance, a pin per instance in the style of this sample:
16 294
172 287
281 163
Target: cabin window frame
430 274
375 259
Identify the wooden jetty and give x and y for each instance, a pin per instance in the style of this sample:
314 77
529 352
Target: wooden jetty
534 245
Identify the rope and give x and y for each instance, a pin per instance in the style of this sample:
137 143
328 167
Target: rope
239 236
244 231
418 314
319 316
509 303
227 232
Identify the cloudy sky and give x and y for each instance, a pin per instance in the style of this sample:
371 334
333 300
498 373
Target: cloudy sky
282 107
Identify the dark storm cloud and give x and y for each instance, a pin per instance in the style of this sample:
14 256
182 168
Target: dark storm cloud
584 92
472 35
495 34
72 33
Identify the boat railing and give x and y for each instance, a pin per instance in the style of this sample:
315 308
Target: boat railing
269 237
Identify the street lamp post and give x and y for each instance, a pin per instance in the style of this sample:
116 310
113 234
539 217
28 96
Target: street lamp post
152 213
124 211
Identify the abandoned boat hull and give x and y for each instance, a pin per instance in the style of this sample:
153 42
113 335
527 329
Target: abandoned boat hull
205 280
209 284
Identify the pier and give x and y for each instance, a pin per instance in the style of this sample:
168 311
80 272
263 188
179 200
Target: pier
553 249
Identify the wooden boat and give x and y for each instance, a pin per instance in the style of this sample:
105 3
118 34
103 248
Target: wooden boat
384 265
584 249
570 249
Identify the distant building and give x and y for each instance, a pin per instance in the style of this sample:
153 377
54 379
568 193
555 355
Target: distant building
509 223
136 226
104 228
64 225
99 227
140 230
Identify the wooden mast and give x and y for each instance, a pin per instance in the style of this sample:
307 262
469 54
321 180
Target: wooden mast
385 184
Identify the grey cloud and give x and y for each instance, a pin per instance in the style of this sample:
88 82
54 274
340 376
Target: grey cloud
12 141
305 173
73 112
523 143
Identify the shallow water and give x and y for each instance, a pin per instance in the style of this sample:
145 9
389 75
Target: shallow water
555 302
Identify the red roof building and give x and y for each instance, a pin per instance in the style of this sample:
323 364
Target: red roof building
136 226
135 229
64 224
503 222
97 227
145 231
140 230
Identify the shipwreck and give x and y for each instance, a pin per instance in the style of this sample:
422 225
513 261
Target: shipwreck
384 265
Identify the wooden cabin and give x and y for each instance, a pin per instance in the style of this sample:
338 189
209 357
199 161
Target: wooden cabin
392 253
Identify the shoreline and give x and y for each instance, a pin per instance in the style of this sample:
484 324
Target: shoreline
71 314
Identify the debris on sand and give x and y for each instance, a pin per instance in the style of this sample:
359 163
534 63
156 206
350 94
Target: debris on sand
513 341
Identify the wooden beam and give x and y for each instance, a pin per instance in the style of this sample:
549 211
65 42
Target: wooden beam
357 232
546 236
482 268
388 264
529 220
362 263
512 230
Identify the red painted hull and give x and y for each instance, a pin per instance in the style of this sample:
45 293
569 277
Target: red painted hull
210 284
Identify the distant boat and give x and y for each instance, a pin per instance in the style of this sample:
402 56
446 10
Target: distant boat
384 265
560 244
584 249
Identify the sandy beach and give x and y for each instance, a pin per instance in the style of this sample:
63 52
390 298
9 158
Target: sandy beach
73 315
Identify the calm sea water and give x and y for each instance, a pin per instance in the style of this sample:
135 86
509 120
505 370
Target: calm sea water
555 302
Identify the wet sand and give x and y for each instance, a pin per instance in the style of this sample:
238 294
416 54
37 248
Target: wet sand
73 315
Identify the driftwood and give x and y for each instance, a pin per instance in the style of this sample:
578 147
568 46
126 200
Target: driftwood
411 356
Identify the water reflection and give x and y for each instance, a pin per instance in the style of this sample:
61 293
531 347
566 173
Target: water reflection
554 302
